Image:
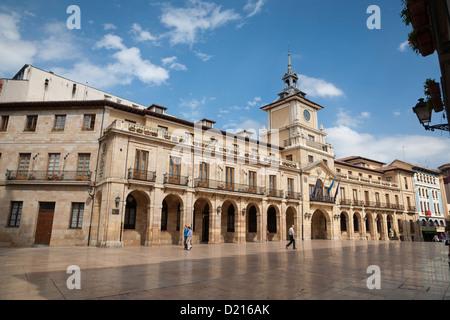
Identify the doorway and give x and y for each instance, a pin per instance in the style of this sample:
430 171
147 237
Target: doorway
44 223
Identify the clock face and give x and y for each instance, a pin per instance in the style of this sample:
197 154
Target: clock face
307 115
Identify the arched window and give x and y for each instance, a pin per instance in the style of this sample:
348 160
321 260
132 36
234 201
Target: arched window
130 213
252 220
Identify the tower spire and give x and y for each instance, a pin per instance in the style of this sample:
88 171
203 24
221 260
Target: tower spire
290 80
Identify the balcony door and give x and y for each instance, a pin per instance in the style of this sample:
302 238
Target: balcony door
174 170
44 224
140 165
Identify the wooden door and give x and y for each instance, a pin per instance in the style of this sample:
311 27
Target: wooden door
44 224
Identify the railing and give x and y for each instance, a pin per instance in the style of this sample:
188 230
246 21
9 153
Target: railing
366 180
275 193
296 141
149 176
177 180
32 175
293 195
319 198
235 187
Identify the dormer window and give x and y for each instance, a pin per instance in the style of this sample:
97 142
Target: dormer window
157 109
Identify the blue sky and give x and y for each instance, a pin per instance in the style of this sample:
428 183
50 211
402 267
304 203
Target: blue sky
223 60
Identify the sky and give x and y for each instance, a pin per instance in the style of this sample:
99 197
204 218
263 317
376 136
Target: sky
224 60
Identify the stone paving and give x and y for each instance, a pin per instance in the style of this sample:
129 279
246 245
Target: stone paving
316 270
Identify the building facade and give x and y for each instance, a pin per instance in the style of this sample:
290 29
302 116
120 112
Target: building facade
429 199
109 172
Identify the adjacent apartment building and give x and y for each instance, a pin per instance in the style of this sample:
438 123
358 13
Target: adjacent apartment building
83 167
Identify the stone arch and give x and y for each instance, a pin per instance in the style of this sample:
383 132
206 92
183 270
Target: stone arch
320 225
171 219
344 225
135 218
291 214
252 218
201 220
96 220
228 220
272 222
358 227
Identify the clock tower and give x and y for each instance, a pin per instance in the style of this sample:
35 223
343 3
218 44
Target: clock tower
292 122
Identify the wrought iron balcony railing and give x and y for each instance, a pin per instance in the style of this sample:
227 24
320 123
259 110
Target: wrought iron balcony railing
33 175
235 187
149 176
176 180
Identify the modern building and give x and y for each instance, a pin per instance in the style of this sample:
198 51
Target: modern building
84 167
429 199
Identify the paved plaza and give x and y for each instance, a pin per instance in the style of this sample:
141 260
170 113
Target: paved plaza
317 270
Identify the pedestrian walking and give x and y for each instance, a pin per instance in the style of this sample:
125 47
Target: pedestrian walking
186 230
189 239
291 237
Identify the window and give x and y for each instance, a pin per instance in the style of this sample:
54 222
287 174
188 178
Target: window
163 129
60 123
252 181
31 123
310 159
355 195
15 214
89 122
203 179
53 165
174 170
4 124
76 221
377 199
229 177
311 138
289 157
388 200
290 187
164 215
342 194
83 166
366 197
24 164
140 165
406 184
272 182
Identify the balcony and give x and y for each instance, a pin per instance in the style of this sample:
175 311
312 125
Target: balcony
350 177
234 187
293 195
298 141
141 175
175 180
275 193
325 199
40 177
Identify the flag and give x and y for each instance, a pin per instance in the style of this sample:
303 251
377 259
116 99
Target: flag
337 190
331 186
315 189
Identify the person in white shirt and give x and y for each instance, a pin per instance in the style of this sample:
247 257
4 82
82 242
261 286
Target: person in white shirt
291 237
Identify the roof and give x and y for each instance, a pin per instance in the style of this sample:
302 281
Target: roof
412 166
346 159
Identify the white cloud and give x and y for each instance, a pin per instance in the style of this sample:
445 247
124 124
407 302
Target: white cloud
345 118
319 88
141 35
253 7
403 46
205 57
59 44
109 26
14 51
421 150
192 108
127 65
172 63
189 24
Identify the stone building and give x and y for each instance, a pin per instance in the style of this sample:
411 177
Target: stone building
94 169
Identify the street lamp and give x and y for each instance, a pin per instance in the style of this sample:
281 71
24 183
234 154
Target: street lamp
424 115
